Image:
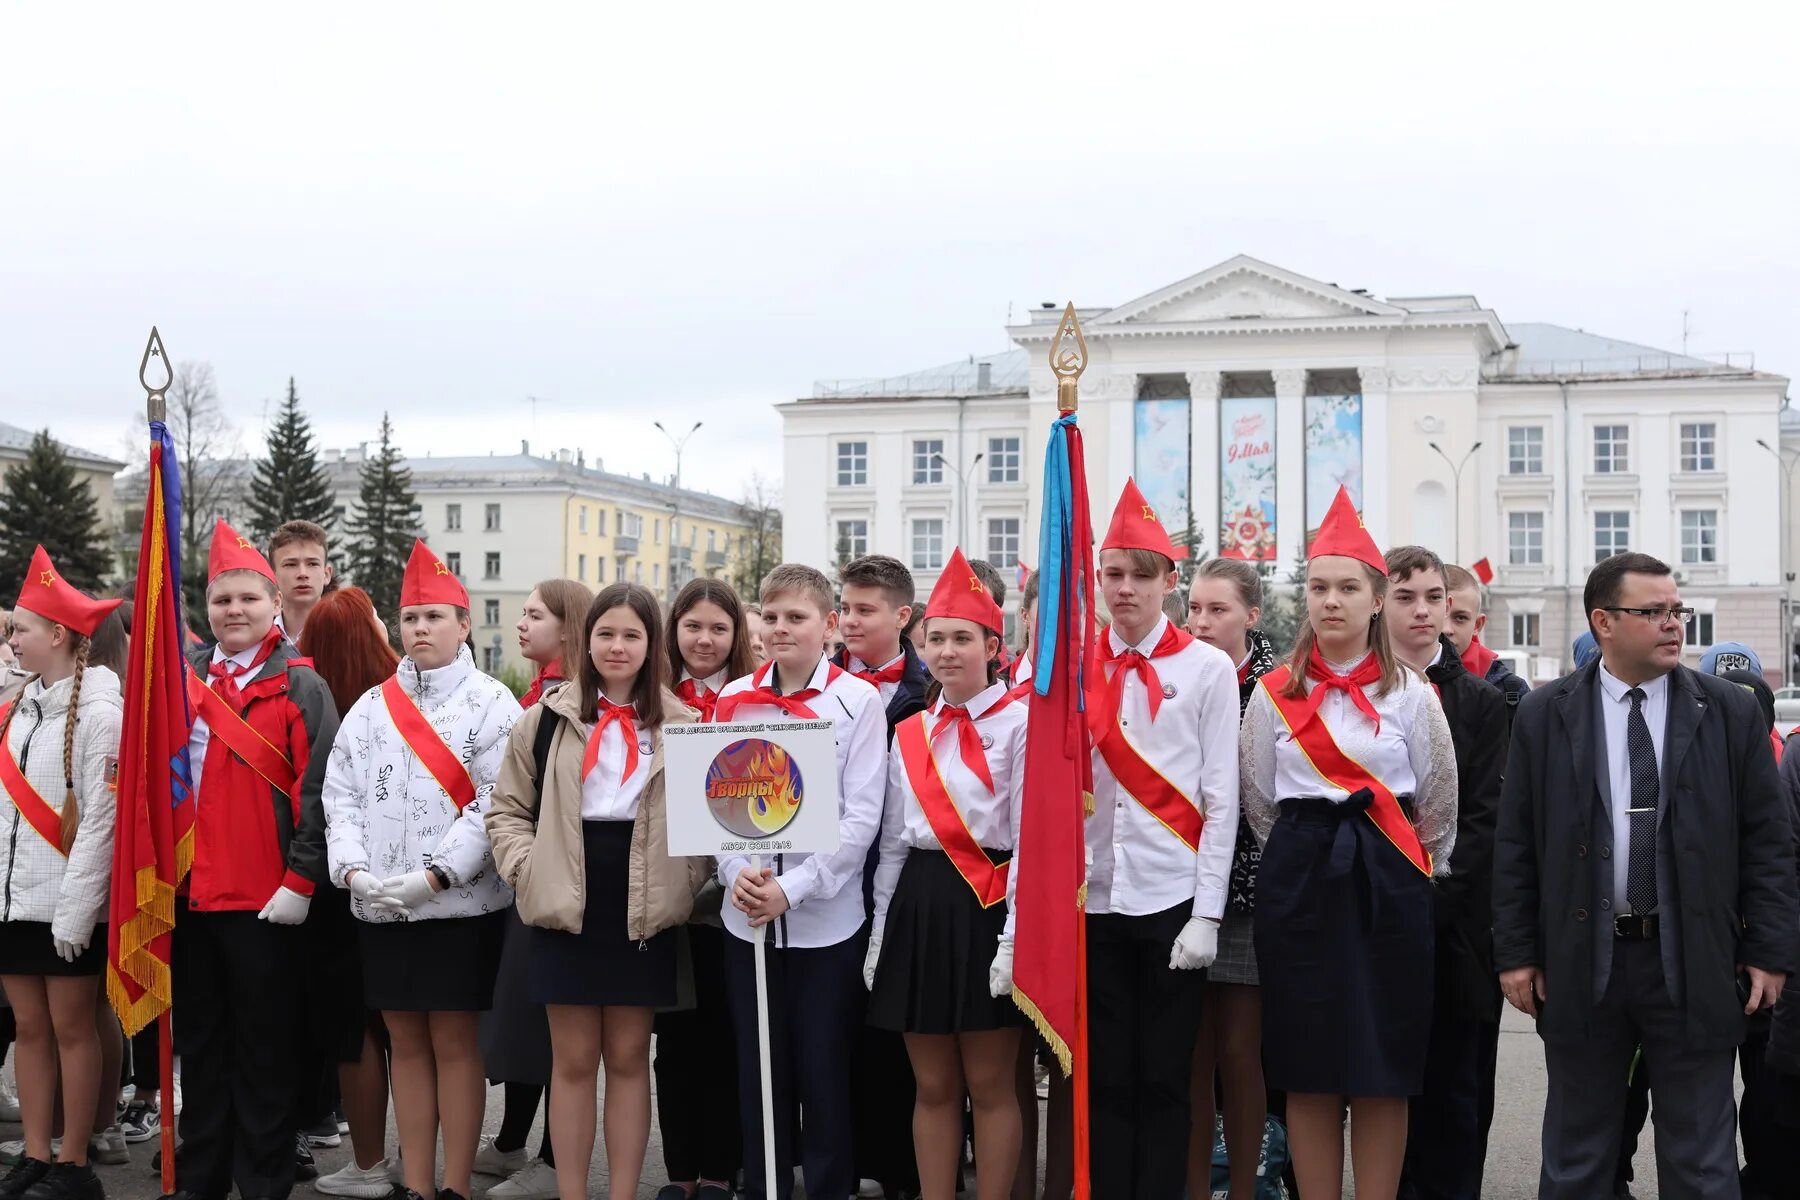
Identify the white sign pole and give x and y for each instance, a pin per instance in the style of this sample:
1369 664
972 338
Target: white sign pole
762 1046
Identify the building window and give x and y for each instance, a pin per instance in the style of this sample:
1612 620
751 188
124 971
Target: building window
852 540
637 572
492 567
1699 536
1525 450
1003 542
656 576
1525 630
631 525
1612 449
490 659
852 464
674 531
712 538
1700 630
600 521
581 519
1003 460
928 544
490 612
492 520
619 571
581 568
453 560
656 531
453 518
1525 539
1699 444
928 460
1612 534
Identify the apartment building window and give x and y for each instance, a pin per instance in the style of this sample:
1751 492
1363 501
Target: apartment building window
1003 542
619 571
1003 460
624 529
490 659
1612 534
1699 536
637 572
1612 449
1526 629
656 576
600 521
1700 630
453 560
674 531
712 538
581 519
928 544
852 539
631 525
490 612
928 460
852 464
1525 539
656 531
1525 450
491 522
492 568
453 518
1699 446
581 568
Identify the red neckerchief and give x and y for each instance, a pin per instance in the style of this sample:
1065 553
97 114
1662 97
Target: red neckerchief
224 673
793 704
1352 685
626 716
696 697
1245 667
550 671
1478 658
956 716
1130 660
891 673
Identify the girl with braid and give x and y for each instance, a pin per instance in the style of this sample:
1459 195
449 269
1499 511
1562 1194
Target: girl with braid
59 743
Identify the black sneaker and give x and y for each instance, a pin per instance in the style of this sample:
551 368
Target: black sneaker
304 1167
23 1175
67 1181
447 1194
402 1192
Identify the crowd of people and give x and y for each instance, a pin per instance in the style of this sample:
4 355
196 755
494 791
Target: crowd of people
1313 878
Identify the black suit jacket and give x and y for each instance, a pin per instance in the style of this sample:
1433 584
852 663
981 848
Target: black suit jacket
1725 843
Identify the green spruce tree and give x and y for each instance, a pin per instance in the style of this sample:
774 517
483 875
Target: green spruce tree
384 524
291 485
43 500
1284 606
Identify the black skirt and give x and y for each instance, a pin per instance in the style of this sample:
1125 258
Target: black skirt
26 948
602 965
446 964
936 949
515 1033
1344 935
336 1017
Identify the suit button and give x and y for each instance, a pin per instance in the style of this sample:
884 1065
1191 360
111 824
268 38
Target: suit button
1606 852
1581 914
1580 851
1605 904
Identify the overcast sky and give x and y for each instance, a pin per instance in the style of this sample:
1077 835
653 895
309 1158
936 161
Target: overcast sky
693 211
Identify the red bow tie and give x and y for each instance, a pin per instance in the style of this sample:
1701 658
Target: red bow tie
892 673
698 698
793 704
1352 685
1105 696
626 716
223 675
955 716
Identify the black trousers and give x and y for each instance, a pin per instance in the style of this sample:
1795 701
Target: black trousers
815 1010
146 1061
237 1021
1142 1022
702 1135
1447 1124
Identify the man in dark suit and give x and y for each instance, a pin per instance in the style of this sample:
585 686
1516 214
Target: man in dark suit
1644 889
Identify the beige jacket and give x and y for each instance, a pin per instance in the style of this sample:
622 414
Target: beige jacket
537 845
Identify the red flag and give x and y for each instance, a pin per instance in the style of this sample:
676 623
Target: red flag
1484 570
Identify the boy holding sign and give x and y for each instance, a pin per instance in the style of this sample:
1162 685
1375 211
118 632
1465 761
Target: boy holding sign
812 905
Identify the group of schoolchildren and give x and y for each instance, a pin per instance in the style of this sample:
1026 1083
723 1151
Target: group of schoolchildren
400 869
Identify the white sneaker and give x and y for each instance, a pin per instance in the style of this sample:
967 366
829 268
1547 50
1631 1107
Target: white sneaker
537 1181
9 1101
396 1169
502 1163
352 1180
107 1146
869 1188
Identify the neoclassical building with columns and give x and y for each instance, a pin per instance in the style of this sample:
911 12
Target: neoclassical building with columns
1243 396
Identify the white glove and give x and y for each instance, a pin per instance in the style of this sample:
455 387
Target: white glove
406 891
365 887
1195 946
870 959
1000 974
285 907
69 951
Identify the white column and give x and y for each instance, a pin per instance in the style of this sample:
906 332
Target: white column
1203 458
1290 466
1375 453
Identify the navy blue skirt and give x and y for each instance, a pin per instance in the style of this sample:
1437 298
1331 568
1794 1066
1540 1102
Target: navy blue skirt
601 965
1344 943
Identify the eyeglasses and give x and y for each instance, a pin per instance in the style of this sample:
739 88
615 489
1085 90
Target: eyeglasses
1657 616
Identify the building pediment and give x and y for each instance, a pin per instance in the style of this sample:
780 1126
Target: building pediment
1245 290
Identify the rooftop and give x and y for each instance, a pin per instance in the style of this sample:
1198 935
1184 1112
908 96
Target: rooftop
999 374
1542 351
14 438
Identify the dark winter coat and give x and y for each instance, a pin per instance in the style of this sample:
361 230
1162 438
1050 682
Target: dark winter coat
1784 1032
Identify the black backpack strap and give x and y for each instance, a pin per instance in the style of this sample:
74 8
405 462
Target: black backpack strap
540 746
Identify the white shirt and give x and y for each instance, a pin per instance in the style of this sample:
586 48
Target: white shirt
1140 867
201 734
886 690
604 795
1022 673
1616 707
992 817
824 892
714 683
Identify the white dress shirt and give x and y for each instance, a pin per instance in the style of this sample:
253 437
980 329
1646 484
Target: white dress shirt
1139 866
887 690
201 733
605 796
1616 707
713 683
992 817
824 891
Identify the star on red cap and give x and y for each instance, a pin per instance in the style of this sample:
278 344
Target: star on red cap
1135 527
429 581
1343 533
56 599
232 551
974 603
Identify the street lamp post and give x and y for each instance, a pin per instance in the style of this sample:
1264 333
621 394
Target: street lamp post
962 496
1456 470
680 444
1784 497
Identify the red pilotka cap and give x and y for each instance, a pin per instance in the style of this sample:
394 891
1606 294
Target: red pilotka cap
960 593
232 551
429 581
1135 527
46 593
1342 533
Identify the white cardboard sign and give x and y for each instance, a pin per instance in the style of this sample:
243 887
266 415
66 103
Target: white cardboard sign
751 787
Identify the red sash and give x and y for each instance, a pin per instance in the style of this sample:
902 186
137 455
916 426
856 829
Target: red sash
424 741
226 724
1177 813
31 805
1340 770
947 825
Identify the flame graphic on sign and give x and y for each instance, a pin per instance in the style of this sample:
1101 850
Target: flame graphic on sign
754 788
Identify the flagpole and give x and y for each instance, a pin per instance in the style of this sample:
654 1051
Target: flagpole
156 410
